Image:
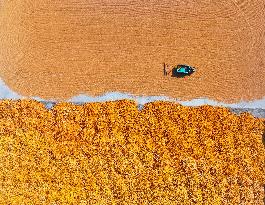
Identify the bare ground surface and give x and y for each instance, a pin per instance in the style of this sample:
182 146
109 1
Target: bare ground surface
58 49
260 113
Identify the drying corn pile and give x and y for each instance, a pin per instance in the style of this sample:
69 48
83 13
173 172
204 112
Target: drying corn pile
111 153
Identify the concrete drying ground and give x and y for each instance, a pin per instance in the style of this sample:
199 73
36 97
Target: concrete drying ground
59 49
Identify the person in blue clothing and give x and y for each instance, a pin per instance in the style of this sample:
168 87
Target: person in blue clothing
179 70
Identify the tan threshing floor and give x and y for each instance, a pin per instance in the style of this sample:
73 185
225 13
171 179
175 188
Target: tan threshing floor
57 49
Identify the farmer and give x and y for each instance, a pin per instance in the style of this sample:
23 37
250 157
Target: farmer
166 69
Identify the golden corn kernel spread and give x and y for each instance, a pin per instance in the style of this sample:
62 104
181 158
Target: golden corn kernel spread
112 153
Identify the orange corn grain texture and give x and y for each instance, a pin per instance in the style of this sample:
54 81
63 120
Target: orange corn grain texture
112 153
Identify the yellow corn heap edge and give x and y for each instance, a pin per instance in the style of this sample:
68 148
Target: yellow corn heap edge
112 153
